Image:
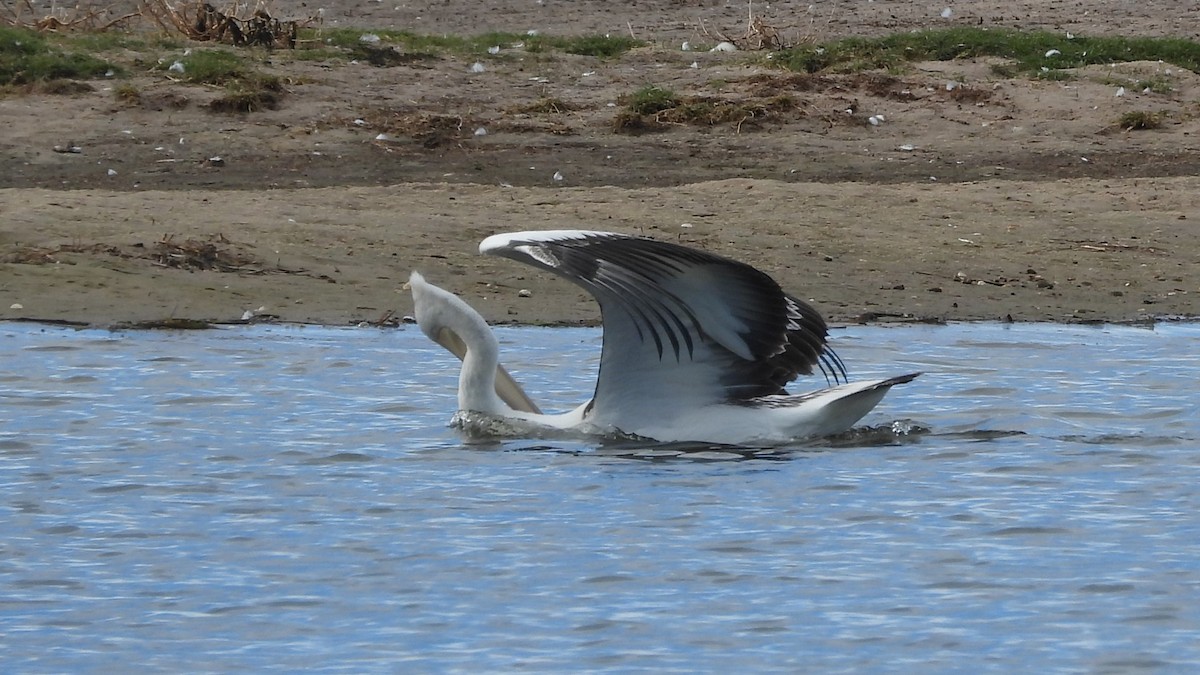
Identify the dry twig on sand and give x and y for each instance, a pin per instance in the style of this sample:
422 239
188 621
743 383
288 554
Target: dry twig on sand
93 18
203 22
759 35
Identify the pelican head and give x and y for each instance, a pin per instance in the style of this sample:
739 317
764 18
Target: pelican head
484 385
444 317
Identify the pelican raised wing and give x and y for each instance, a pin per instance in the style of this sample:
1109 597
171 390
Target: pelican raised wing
697 347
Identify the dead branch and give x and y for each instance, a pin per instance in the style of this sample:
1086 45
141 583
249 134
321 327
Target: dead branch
759 34
203 22
195 19
92 18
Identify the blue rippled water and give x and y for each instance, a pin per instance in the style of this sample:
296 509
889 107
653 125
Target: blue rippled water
284 498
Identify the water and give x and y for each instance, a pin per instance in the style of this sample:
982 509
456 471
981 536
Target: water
277 498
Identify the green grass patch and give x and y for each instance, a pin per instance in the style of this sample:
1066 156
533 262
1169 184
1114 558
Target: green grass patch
476 45
28 58
266 96
1028 52
601 46
641 109
1052 74
650 100
654 108
1139 120
247 90
708 111
1156 85
128 94
208 66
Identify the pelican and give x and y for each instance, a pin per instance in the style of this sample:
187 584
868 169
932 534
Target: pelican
696 347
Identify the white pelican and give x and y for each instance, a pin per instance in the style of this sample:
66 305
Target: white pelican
696 347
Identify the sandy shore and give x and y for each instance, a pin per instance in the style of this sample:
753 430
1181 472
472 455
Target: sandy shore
1070 250
996 197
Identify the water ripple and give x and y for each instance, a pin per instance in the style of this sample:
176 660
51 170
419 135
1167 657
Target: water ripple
283 498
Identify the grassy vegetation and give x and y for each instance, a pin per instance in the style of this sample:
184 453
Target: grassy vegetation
127 93
477 45
650 100
546 105
602 46
641 109
266 96
1157 85
707 111
28 58
1138 120
247 89
653 108
1037 53
208 66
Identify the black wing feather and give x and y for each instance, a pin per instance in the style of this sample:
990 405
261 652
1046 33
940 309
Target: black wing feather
784 336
